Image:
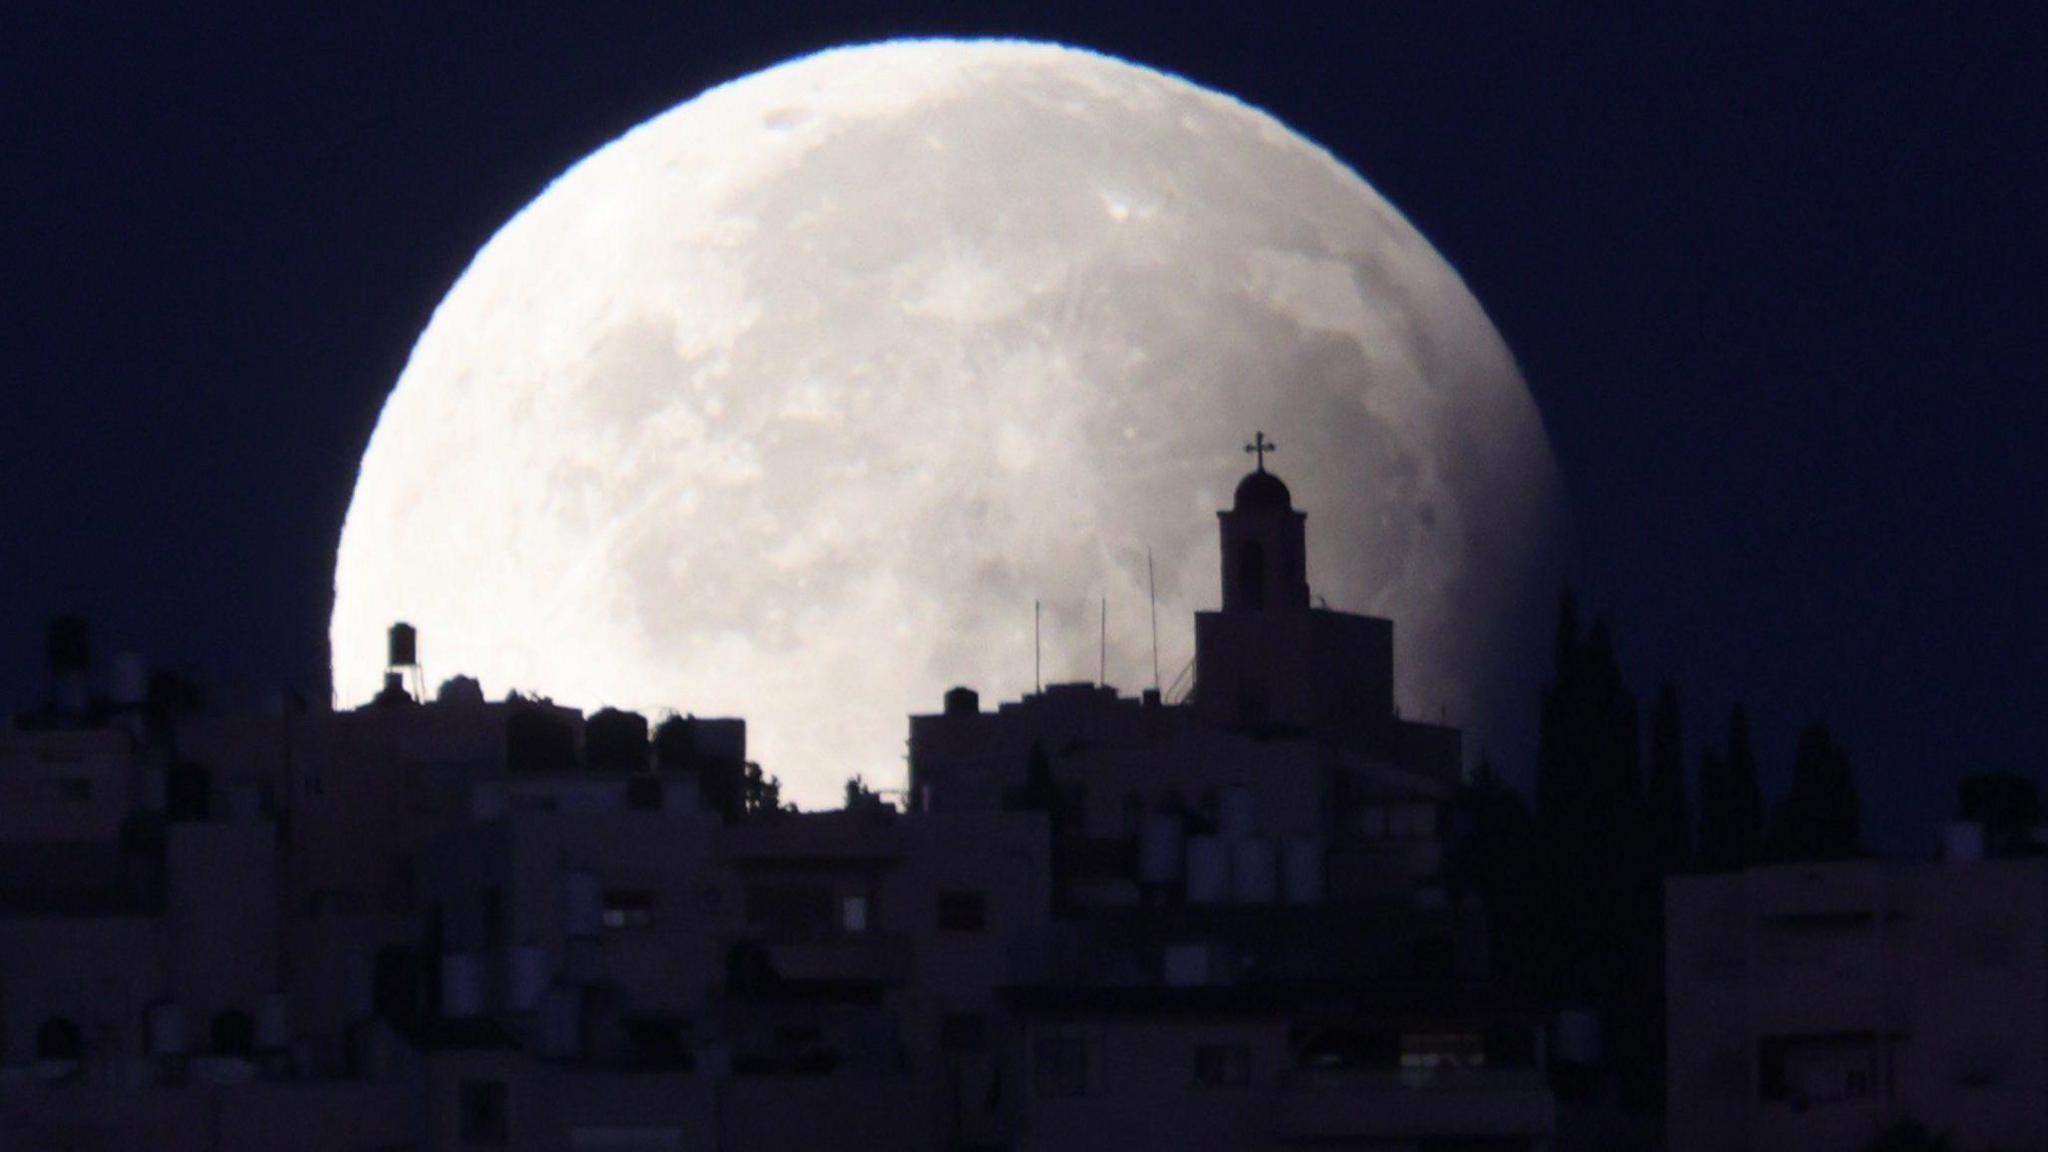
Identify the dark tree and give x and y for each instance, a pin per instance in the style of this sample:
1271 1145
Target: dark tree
1731 802
2008 806
1590 810
1819 818
1671 822
761 794
1746 781
170 698
1493 858
861 798
68 644
675 745
615 741
1599 875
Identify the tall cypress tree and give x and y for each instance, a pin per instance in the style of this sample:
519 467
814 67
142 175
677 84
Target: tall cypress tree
1820 817
1556 783
1670 823
1731 802
1746 790
1714 854
1590 813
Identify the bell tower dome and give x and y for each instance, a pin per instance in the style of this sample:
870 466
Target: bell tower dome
1265 564
1270 662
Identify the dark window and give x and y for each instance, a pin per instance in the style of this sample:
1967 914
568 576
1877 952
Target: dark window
793 913
1065 1064
395 983
485 1113
1251 576
493 901
628 908
1816 1068
644 792
64 789
1223 1065
962 912
59 1039
658 1042
234 1034
964 1033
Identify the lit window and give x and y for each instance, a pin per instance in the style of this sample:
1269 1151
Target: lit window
853 913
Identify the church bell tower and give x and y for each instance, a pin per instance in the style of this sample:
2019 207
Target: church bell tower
1265 564
1269 661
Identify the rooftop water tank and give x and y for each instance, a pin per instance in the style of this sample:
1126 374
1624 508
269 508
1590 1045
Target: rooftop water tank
405 646
962 701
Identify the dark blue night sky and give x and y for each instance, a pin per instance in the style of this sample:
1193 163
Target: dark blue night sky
1777 275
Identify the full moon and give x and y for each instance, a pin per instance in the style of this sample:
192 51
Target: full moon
790 404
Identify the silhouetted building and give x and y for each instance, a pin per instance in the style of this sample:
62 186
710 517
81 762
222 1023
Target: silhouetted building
1217 922
1818 1005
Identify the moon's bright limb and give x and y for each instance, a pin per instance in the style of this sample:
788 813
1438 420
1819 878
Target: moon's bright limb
790 402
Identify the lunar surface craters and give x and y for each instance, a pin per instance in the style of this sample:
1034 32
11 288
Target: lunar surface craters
790 403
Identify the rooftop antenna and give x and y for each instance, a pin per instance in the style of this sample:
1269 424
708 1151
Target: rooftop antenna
1037 649
1152 595
1102 652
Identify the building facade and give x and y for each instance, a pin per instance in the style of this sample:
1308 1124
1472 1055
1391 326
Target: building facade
1818 1005
1098 921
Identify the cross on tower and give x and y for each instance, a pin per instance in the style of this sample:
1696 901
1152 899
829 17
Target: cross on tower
1259 447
